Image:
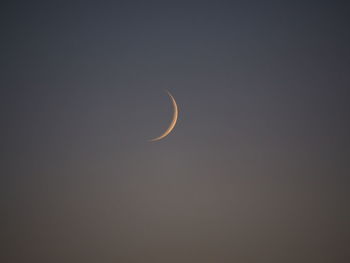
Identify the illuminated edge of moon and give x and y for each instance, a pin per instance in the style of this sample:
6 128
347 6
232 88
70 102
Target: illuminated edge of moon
173 121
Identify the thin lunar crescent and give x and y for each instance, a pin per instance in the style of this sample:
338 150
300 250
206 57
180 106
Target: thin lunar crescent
173 121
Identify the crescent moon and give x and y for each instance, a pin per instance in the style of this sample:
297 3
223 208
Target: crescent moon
173 121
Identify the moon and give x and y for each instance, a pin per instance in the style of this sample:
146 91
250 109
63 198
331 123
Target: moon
173 121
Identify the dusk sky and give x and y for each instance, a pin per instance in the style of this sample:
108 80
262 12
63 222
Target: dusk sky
257 168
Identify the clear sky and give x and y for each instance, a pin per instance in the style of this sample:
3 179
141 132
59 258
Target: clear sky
256 169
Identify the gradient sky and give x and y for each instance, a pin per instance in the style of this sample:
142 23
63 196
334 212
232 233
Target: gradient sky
256 170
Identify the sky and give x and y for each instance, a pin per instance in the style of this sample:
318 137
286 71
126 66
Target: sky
256 169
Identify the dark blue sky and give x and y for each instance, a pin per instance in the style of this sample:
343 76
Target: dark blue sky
256 170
